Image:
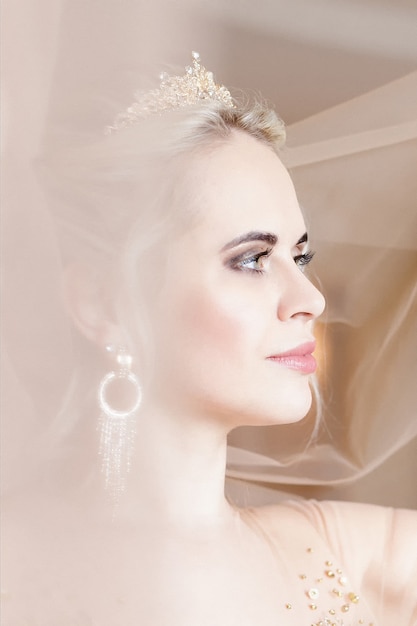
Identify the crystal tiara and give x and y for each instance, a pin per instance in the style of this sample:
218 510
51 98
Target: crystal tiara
174 92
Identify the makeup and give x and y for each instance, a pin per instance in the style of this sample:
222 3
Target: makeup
299 358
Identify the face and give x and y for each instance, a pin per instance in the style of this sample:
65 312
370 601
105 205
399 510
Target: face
233 322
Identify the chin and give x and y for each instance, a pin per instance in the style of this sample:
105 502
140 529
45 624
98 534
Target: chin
273 411
291 407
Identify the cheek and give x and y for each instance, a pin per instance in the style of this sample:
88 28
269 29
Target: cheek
212 323
212 328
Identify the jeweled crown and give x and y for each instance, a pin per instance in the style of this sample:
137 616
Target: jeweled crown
174 92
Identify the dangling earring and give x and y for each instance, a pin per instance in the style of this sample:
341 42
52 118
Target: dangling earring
117 426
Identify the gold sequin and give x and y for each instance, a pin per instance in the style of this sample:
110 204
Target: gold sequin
314 593
353 598
288 606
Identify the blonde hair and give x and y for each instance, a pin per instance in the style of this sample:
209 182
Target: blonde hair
112 198
100 191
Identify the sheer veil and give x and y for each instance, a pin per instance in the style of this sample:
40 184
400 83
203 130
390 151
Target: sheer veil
354 167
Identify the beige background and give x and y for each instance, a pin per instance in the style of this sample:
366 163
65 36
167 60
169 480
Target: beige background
342 75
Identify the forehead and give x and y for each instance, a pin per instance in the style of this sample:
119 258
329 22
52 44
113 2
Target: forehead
241 185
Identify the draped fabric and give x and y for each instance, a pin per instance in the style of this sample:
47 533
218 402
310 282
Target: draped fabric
354 167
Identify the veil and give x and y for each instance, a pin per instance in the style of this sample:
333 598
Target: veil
354 167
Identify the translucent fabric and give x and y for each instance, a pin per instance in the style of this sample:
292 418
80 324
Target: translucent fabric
354 167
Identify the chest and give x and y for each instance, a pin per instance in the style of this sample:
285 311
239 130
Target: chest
108 579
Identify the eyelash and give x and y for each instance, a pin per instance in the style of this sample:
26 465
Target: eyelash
301 260
240 263
304 259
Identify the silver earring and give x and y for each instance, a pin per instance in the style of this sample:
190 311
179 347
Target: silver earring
117 426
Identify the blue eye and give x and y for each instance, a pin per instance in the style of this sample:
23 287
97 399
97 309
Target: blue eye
252 263
304 259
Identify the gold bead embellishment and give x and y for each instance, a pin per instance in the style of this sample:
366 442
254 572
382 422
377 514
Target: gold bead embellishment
174 92
288 606
332 585
353 598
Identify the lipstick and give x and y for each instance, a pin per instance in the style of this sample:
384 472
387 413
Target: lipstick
299 358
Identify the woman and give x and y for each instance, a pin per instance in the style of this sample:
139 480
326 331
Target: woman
195 315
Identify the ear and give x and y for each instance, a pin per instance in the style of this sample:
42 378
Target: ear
85 302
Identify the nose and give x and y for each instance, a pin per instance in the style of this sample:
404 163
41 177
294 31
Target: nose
300 298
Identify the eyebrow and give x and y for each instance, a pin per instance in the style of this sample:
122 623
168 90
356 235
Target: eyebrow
259 236
251 236
302 239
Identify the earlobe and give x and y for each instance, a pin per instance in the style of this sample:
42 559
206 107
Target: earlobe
83 299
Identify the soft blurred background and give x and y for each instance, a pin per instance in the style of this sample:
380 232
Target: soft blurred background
343 76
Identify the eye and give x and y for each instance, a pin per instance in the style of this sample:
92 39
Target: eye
304 259
250 262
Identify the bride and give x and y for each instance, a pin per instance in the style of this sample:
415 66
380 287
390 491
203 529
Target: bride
187 283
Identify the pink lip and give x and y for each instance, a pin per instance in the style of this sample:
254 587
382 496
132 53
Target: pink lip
299 358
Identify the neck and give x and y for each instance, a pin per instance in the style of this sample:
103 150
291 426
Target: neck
178 471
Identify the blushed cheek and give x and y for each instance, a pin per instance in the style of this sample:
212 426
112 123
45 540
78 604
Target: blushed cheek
212 325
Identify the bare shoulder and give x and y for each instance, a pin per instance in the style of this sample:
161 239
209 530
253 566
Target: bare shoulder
379 544
375 546
349 512
343 521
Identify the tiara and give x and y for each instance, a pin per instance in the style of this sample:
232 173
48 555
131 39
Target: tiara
174 92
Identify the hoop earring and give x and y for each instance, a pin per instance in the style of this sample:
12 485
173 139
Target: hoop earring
117 426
